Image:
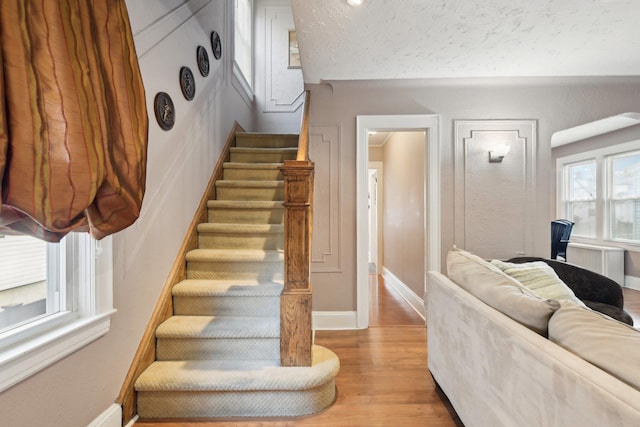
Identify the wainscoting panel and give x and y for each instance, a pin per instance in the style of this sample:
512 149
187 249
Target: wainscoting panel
284 86
495 201
325 152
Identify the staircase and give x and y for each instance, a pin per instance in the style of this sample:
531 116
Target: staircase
218 355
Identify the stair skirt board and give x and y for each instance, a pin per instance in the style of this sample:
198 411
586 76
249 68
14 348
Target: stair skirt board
218 354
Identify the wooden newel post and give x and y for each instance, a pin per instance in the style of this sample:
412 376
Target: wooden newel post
295 302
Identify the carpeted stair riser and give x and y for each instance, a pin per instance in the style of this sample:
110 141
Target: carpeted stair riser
245 212
226 297
227 306
205 337
240 236
252 172
218 349
258 403
260 140
233 271
262 155
250 190
235 265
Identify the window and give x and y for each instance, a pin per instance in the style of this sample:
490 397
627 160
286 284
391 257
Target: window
54 299
243 44
624 200
600 192
581 197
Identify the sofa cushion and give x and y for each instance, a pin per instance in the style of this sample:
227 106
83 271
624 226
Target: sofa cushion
500 291
540 278
611 345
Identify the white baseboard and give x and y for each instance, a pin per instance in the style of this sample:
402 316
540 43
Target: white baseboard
405 292
632 282
334 320
111 417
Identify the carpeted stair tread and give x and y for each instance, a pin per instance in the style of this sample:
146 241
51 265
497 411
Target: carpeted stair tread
213 227
238 375
260 150
227 288
245 204
230 183
203 327
235 255
245 211
252 139
242 165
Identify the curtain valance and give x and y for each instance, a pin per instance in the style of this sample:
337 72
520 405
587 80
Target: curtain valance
73 120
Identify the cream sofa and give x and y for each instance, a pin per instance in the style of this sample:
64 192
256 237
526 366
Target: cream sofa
498 372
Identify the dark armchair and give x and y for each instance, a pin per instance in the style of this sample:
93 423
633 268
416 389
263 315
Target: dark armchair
596 291
560 233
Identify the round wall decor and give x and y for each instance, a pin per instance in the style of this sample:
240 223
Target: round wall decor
216 45
165 113
203 61
187 83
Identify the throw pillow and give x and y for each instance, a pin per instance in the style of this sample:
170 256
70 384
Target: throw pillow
612 346
486 282
540 278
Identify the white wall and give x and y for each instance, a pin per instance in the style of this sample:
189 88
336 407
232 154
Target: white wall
278 89
79 388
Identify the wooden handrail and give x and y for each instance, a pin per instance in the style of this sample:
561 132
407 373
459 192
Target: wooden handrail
295 302
303 139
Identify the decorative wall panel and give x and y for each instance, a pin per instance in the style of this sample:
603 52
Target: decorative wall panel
325 144
495 201
283 85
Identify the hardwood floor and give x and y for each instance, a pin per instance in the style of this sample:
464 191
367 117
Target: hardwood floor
383 379
632 304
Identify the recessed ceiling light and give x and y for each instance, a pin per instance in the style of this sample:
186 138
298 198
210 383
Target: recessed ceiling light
354 2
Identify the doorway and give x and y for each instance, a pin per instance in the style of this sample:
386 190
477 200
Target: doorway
429 124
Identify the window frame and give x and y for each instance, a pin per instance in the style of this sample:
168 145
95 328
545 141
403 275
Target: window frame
603 158
33 346
244 82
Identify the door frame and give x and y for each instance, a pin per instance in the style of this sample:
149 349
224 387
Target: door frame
430 124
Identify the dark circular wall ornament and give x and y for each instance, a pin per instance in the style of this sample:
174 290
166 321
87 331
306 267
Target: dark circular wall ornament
203 61
165 113
216 45
187 83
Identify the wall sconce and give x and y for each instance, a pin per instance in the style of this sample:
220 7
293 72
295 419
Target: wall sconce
497 154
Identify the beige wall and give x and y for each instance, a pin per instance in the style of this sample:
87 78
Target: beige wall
403 208
375 154
555 104
75 390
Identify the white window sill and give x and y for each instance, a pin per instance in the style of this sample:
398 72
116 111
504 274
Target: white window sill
24 359
242 87
630 247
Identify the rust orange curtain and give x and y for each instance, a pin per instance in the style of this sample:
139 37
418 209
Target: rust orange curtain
73 119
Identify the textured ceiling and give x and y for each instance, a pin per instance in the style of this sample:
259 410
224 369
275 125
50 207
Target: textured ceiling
396 39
